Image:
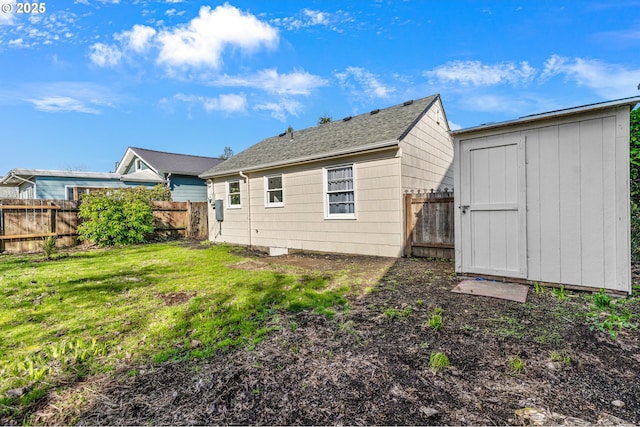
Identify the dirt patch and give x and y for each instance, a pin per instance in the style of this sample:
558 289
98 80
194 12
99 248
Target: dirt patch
370 363
176 298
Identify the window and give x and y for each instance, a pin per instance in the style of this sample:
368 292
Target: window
233 194
273 191
340 192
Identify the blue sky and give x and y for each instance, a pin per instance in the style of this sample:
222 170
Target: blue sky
85 79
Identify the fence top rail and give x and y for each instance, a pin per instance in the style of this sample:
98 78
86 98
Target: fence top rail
27 207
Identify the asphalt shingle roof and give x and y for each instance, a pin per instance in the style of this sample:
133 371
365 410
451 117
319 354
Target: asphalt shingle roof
183 164
388 124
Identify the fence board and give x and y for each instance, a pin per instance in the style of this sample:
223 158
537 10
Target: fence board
25 222
429 224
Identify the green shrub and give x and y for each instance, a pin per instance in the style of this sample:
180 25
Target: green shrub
118 217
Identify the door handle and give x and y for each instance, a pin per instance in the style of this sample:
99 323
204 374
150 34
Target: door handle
464 208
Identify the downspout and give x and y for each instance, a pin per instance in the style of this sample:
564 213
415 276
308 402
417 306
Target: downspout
246 178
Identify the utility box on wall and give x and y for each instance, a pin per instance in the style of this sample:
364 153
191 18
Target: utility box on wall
546 197
218 205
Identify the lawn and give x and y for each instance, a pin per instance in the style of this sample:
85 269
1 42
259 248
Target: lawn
189 334
91 312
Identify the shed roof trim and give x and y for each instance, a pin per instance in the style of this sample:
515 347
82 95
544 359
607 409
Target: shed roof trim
632 102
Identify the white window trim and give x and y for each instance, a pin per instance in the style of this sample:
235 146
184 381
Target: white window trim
325 190
229 205
266 191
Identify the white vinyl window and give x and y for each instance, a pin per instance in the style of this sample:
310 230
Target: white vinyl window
339 192
233 194
274 195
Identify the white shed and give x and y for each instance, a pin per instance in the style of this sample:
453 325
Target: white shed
546 198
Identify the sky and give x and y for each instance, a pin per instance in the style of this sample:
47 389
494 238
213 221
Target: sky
80 81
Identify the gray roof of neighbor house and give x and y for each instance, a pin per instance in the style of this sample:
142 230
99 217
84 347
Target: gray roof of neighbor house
375 129
183 164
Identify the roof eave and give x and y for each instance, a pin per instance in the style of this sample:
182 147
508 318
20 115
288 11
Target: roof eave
339 153
632 102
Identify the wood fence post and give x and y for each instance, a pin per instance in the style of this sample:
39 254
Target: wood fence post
408 224
188 223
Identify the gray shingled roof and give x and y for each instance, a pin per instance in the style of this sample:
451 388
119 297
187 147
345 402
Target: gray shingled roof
341 136
183 164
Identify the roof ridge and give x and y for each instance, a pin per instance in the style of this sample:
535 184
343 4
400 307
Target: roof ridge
169 152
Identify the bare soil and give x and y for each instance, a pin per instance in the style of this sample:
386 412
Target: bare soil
370 363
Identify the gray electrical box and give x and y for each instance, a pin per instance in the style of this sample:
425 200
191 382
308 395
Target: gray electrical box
219 207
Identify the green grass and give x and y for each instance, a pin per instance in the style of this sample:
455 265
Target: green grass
438 361
516 364
89 312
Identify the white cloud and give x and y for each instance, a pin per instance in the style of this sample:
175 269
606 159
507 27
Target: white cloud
200 43
137 39
475 73
607 80
282 109
359 80
295 83
58 104
310 18
105 55
230 103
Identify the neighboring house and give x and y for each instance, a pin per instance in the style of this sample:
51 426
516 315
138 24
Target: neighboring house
8 192
178 171
335 187
57 185
545 198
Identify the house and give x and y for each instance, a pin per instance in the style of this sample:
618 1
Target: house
335 187
8 192
545 198
178 171
57 185
138 167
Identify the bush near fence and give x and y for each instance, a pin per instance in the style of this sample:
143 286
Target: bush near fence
24 223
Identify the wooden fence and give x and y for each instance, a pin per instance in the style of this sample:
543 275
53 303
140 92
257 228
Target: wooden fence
429 224
24 223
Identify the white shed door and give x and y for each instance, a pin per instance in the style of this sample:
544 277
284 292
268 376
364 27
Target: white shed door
493 206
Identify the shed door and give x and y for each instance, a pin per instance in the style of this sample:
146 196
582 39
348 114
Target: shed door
493 206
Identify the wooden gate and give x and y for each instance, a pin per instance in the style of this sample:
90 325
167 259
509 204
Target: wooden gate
429 224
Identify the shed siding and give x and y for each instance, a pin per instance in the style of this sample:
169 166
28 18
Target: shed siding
188 188
301 224
577 193
427 153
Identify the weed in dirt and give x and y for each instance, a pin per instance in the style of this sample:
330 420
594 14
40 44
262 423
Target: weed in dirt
419 303
611 316
435 321
561 356
560 293
394 313
538 288
438 361
508 327
516 365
